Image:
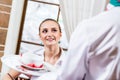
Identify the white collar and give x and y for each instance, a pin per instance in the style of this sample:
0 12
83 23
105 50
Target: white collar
110 6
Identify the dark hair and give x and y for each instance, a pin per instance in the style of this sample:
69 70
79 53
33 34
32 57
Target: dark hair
49 19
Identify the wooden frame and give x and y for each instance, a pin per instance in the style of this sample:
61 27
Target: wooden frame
22 24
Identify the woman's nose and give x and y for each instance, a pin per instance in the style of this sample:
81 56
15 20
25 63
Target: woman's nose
49 33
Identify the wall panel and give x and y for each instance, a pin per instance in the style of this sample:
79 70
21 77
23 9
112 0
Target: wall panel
5 8
3 34
4 20
8 2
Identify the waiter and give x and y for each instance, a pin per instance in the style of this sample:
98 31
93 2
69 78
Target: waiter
94 50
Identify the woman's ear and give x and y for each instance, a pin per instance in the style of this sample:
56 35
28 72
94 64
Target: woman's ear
39 36
61 34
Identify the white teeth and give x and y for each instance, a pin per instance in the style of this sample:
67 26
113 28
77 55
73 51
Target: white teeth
50 39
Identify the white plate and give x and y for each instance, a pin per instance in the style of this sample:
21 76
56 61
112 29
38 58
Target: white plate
13 61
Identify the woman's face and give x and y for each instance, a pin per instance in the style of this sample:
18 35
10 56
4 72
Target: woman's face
50 33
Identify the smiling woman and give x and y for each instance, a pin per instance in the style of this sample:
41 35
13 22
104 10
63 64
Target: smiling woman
26 18
50 34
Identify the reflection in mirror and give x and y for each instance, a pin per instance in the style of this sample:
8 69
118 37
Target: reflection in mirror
36 12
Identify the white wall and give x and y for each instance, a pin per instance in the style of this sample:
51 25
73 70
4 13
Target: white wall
13 31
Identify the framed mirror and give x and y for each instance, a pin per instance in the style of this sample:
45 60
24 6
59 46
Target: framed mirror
36 12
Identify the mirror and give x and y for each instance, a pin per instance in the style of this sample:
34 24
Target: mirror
36 12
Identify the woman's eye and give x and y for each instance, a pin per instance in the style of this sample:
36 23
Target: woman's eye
54 30
44 31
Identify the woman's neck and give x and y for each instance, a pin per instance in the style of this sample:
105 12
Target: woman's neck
52 54
52 50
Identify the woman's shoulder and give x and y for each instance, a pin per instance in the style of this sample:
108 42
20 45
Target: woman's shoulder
63 51
63 54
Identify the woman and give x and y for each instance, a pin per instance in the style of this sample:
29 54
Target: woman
50 34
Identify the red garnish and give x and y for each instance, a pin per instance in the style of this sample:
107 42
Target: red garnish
41 66
34 66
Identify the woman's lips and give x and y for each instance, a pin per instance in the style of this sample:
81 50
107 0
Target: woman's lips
50 39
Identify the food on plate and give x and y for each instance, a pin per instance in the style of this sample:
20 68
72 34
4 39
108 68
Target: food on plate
32 60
